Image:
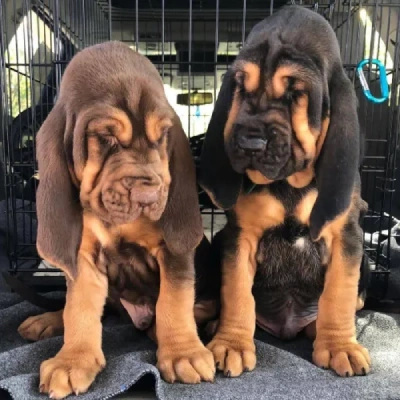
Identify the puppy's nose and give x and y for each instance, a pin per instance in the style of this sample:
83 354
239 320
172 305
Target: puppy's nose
253 144
143 189
140 182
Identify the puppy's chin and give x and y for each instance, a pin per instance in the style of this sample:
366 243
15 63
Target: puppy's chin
257 172
261 164
261 174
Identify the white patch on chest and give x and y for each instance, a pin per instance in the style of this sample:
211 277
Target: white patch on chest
300 243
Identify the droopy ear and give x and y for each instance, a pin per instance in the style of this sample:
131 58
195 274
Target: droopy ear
57 201
181 221
337 165
217 176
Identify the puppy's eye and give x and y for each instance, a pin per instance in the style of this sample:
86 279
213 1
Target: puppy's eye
107 139
160 141
164 134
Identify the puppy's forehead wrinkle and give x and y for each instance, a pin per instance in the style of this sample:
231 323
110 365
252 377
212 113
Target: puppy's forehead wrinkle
100 74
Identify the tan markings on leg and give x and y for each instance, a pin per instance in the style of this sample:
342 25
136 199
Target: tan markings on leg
251 77
304 208
233 112
181 356
81 358
155 126
42 326
233 345
336 345
257 177
204 312
304 134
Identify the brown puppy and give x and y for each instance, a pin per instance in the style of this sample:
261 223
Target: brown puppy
115 167
133 288
281 154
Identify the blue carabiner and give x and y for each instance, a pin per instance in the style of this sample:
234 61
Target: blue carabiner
382 79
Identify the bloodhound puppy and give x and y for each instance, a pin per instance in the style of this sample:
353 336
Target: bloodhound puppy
117 182
281 156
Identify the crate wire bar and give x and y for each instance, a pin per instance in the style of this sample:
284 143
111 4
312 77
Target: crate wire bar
192 43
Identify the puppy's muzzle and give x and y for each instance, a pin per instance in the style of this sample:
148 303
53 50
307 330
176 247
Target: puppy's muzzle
252 144
257 145
142 191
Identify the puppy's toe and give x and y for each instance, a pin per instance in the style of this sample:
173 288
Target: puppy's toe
187 364
346 359
42 326
70 372
233 355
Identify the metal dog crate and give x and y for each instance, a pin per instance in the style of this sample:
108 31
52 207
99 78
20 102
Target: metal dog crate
192 43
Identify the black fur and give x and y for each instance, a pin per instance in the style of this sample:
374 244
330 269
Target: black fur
290 277
289 37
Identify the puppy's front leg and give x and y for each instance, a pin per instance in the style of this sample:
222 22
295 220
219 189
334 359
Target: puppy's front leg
233 345
336 344
81 358
181 356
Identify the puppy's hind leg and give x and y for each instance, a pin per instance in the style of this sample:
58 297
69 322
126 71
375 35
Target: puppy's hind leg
42 326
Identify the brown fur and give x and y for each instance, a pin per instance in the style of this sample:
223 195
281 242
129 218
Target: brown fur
116 170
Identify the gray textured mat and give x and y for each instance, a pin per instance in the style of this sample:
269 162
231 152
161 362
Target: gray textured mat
284 370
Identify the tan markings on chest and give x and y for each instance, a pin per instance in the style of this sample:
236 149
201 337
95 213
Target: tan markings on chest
259 211
303 209
143 232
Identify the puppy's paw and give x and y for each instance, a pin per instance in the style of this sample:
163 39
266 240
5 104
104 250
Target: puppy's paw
70 371
233 355
185 362
42 326
346 359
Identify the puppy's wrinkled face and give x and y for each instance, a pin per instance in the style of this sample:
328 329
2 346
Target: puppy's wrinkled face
127 171
267 134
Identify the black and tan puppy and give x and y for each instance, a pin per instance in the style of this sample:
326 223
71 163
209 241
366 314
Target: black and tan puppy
115 168
281 154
